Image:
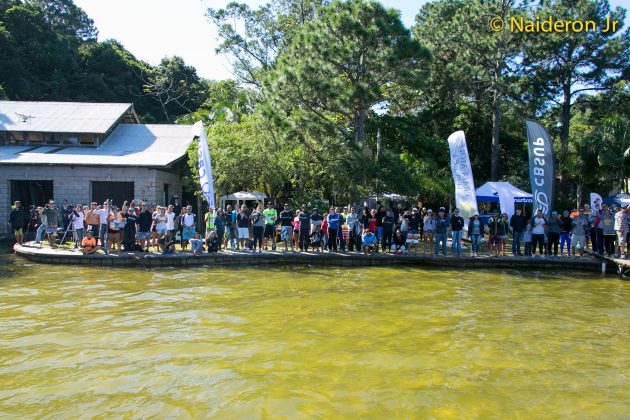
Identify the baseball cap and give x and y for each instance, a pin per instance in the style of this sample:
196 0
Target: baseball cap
442 209
553 213
414 209
476 213
429 211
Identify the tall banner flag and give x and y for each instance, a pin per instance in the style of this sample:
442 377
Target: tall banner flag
541 166
465 198
205 165
596 200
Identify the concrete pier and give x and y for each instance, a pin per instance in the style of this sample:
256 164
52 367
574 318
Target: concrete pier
228 258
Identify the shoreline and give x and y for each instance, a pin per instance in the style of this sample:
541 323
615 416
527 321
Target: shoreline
47 255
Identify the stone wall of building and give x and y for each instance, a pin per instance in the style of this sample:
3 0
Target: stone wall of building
74 183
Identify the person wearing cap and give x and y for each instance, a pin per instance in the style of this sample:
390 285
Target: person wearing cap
144 221
354 230
517 226
286 223
258 227
554 226
622 228
369 242
88 244
50 222
566 226
17 221
428 230
580 232
414 225
129 230
457 227
475 232
380 214
441 232
333 220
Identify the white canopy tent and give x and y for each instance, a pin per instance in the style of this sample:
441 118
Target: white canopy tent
242 196
503 193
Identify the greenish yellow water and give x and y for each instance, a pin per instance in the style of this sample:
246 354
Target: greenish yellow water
311 343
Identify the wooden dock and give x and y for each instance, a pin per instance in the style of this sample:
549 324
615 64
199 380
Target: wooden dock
622 266
47 255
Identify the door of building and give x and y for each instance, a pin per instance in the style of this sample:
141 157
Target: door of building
35 193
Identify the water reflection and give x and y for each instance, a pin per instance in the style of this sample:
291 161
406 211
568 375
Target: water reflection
309 342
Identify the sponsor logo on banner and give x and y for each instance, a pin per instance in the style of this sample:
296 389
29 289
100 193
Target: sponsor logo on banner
541 166
465 198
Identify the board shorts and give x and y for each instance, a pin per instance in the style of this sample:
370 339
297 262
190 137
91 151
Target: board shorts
622 238
17 231
161 231
412 237
428 232
578 241
143 236
188 233
287 233
51 230
243 233
269 231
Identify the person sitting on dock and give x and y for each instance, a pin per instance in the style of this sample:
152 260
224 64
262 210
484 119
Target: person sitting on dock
167 243
369 242
212 243
398 243
88 244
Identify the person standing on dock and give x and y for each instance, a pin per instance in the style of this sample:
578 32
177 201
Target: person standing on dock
441 231
566 226
475 231
457 227
271 216
580 232
517 225
621 227
286 224
129 231
17 221
553 234
538 234
333 220
608 232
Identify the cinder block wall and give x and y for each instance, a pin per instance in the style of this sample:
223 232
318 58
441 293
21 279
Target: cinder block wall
74 183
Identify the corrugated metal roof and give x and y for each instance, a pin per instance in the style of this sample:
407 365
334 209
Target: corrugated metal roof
155 145
60 117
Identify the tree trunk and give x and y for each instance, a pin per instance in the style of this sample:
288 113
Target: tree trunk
168 120
496 130
359 134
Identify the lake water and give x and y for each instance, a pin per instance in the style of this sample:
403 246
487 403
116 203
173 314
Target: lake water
311 342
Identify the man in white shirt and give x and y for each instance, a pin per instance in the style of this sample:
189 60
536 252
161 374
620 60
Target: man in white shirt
538 233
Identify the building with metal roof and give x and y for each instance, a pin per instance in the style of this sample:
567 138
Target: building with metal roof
84 152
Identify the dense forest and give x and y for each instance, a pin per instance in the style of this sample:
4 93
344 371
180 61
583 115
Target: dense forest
338 100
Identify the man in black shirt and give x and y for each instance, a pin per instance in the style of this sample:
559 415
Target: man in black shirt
242 222
145 219
517 223
388 231
413 230
457 227
130 230
305 229
286 223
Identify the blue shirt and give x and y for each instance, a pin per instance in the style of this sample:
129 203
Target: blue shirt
333 221
369 239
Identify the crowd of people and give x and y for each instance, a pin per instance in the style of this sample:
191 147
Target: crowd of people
139 227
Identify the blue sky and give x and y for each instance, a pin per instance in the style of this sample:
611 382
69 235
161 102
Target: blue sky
153 29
